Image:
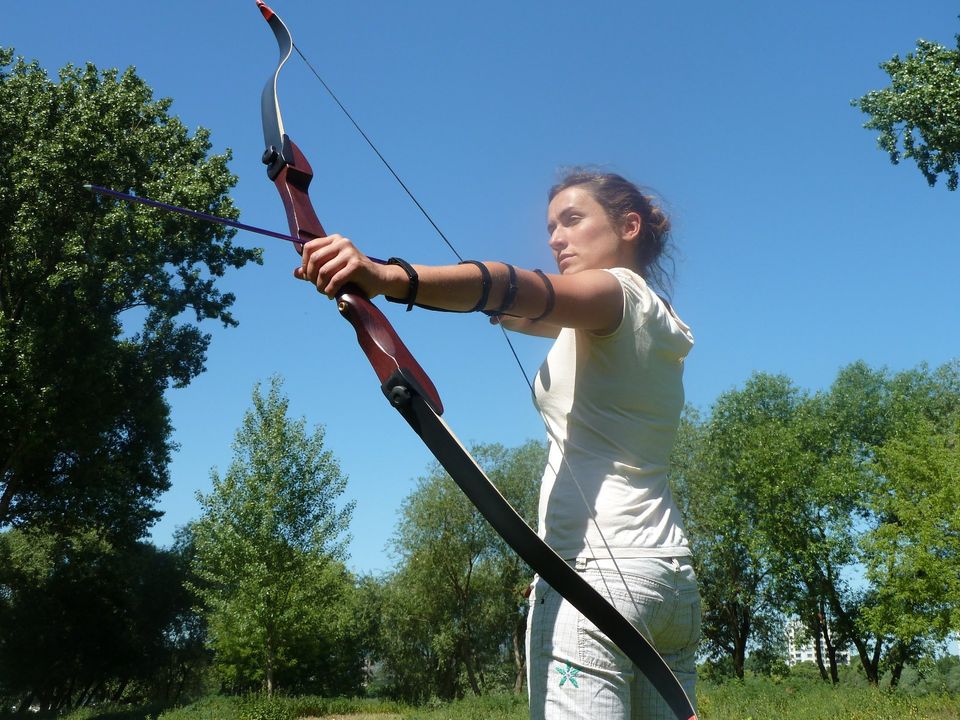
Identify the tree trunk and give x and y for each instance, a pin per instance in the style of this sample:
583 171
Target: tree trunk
85 696
519 656
120 690
44 700
448 687
828 643
870 664
64 700
817 634
897 655
895 673
181 683
831 655
467 658
269 670
741 633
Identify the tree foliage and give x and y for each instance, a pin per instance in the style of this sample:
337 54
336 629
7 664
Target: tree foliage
912 553
918 114
83 621
838 508
720 468
268 549
453 615
93 292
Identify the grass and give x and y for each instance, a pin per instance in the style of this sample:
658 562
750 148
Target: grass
756 698
217 707
761 698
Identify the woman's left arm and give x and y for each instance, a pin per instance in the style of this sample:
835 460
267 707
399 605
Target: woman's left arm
541 303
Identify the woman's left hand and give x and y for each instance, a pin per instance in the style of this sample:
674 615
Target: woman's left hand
331 262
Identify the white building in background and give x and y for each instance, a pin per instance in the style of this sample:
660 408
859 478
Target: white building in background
802 648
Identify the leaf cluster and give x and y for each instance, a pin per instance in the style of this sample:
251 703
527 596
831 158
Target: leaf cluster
918 114
83 621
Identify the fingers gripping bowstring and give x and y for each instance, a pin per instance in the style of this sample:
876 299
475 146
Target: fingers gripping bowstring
523 372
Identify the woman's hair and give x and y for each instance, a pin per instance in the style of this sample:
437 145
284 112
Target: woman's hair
618 197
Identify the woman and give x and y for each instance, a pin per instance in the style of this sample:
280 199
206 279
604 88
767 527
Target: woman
610 393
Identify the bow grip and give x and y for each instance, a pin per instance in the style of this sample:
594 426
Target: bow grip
384 348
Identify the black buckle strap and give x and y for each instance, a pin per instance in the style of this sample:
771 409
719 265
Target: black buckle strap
413 283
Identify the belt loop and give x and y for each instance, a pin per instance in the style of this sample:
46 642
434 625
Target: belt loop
676 565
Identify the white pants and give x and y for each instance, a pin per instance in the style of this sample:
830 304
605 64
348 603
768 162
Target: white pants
573 671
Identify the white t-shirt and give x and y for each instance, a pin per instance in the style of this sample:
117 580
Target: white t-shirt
611 405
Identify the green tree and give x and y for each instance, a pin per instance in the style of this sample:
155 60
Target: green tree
331 659
788 498
823 543
268 547
719 469
912 553
918 115
879 415
811 523
92 293
453 614
83 621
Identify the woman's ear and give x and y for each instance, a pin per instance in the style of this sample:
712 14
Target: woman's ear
631 226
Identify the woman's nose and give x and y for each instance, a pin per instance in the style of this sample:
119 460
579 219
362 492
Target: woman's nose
557 240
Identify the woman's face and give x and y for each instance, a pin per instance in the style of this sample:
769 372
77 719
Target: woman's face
582 236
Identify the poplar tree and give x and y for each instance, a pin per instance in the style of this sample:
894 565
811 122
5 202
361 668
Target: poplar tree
268 548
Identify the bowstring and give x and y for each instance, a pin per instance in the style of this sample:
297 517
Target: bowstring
407 190
386 164
513 350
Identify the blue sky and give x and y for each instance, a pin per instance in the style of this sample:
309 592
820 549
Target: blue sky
802 248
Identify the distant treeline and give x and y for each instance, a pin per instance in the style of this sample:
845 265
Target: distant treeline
838 507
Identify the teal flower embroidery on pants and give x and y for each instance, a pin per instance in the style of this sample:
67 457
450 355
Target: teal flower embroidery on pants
568 673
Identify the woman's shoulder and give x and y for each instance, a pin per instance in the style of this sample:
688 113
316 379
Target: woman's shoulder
635 288
647 308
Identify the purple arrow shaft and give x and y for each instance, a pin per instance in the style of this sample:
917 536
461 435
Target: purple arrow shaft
97 189
192 213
